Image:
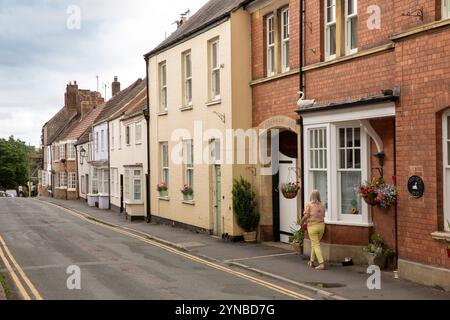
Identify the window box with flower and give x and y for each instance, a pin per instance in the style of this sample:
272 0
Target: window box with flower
162 189
188 192
378 193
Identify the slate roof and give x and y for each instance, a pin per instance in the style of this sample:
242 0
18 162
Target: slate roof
212 12
119 101
137 104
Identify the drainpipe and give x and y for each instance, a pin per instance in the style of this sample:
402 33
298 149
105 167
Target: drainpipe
147 119
396 203
302 88
109 166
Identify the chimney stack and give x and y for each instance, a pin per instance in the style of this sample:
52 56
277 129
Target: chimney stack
115 86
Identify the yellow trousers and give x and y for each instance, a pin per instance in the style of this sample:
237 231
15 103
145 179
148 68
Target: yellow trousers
316 232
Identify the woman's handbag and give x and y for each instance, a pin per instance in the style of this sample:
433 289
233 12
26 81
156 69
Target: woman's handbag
305 227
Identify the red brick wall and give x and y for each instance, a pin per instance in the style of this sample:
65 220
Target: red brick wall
420 66
276 97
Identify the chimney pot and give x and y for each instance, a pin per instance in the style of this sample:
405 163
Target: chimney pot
115 86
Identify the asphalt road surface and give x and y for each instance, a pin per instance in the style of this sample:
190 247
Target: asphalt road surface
39 242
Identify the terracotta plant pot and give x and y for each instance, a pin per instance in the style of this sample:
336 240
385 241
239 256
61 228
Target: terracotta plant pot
290 195
250 236
297 248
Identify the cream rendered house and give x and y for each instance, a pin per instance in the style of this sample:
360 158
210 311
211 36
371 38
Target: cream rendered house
128 156
199 78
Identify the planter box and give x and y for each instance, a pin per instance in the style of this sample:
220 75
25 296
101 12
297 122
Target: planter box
250 236
164 194
376 260
188 197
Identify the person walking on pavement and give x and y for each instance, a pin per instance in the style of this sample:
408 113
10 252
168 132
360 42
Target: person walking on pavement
314 216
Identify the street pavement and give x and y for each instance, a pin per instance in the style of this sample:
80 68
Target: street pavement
45 240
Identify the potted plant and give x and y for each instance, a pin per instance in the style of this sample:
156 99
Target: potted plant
297 239
162 189
376 253
378 193
290 190
245 208
188 192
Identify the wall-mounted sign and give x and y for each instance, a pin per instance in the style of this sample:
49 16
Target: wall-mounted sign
416 186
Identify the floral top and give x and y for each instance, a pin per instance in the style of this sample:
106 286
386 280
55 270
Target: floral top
315 213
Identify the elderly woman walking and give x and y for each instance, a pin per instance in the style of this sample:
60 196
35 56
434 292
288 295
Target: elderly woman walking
314 216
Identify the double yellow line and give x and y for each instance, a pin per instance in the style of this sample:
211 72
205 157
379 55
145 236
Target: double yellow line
12 266
268 285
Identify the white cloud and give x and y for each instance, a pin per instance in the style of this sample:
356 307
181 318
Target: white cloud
39 55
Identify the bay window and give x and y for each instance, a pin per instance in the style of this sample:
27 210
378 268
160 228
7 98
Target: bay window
133 185
285 35
318 162
138 133
351 26
270 36
187 75
446 160
330 29
215 69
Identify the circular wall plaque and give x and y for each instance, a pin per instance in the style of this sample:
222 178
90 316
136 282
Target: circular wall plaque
416 186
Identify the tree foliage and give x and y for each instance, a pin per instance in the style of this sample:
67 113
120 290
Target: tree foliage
13 163
244 205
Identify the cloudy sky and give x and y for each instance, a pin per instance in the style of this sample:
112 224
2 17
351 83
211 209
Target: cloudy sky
39 54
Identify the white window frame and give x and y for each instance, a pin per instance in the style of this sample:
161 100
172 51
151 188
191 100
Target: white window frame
348 30
187 78
328 26
445 9
62 152
270 45
130 180
62 180
71 181
94 181
285 39
333 215
215 69
102 140
446 165
128 135
188 162
83 184
112 136
120 136
163 87
138 133
97 142
71 152
164 147
113 182
216 151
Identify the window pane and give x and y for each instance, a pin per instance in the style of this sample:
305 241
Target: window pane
357 158
331 10
349 138
188 66
357 137
342 159
215 57
448 126
354 33
342 138
350 201
350 159
351 7
137 189
320 183
332 40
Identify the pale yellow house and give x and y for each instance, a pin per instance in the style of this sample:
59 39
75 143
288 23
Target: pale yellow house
198 86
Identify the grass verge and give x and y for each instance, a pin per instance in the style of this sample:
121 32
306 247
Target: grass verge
5 286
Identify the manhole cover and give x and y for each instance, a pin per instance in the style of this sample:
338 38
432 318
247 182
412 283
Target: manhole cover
326 285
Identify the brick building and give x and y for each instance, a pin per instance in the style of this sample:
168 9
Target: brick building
380 77
76 104
275 86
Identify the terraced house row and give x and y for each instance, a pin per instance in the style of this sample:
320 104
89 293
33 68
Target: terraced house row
374 106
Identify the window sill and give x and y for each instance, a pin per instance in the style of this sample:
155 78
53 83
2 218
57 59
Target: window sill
134 203
61 188
360 54
72 190
287 73
350 224
167 199
214 102
441 236
138 143
190 202
187 108
162 114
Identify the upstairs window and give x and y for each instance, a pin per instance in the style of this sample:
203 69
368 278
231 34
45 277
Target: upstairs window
351 26
270 30
112 136
103 140
163 87
330 29
445 9
446 160
72 152
128 135
285 34
62 152
138 133
188 153
215 69
165 163
187 75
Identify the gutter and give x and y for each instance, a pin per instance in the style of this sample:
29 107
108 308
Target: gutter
147 119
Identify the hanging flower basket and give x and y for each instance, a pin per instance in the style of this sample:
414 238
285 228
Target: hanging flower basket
377 193
290 190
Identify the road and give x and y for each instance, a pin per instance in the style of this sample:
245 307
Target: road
40 241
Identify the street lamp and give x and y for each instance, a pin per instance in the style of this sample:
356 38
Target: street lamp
82 154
